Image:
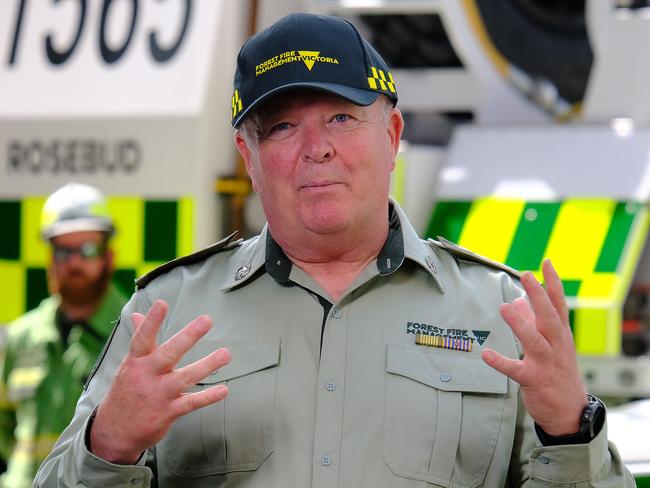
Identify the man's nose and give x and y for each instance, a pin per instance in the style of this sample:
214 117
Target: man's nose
316 144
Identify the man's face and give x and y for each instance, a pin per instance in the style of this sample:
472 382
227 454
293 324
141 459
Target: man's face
81 266
321 164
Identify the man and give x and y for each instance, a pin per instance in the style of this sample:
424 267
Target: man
312 374
50 350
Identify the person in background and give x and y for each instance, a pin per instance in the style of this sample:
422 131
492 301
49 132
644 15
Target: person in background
50 351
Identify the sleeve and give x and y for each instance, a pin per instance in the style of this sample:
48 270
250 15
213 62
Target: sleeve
70 463
532 465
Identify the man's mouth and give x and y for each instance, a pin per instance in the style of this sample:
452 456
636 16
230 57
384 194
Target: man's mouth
319 184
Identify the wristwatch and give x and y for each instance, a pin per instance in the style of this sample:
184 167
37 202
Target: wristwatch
592 419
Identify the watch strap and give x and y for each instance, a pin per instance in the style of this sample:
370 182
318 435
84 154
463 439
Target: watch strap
592 420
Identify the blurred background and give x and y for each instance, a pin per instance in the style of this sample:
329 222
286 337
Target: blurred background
527 136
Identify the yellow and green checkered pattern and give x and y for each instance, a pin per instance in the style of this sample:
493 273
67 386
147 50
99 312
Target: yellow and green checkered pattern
149 233
378 80
236 104
594 243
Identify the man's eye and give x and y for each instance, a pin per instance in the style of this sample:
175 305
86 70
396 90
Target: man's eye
341 117
280 126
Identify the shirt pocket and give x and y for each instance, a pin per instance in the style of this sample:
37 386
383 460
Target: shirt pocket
236 433
443 411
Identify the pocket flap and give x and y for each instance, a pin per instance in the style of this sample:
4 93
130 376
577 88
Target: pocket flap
445 370
247 357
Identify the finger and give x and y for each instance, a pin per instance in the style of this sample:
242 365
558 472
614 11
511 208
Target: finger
188 402
144 337
555 291
512 368
136 320
533 342
193 373
547 319
523 307
171 351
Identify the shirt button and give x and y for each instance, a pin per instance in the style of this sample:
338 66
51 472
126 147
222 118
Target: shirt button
544 460
135 481
336 313
445 377
326 460
330 385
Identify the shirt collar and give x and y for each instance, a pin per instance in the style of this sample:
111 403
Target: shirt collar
415 249
402 242
246 261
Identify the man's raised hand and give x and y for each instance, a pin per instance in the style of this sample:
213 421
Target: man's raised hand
147 394
548 374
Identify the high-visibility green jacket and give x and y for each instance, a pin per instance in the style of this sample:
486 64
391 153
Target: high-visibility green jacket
41 380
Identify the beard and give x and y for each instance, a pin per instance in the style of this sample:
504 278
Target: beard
81 289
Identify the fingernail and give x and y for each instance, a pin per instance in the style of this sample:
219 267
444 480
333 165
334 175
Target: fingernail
530 277
158 306
223 354
204 323
488 355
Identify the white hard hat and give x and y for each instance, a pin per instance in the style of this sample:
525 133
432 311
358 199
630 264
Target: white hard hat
75 207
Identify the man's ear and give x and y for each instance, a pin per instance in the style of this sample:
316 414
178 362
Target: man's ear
395 128
245 152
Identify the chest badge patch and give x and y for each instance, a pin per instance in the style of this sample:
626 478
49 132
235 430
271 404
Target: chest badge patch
444 342
481 336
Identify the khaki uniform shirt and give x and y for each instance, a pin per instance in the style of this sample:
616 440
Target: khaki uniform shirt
343 396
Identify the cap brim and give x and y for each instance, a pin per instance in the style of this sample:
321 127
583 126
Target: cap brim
357 96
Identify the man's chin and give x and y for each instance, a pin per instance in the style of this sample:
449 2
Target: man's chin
325 222
82 292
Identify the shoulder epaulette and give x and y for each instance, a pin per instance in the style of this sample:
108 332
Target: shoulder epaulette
467 255
197 257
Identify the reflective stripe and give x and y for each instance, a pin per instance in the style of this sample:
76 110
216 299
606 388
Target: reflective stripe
578 236
37 449
491 217
26 377
532 236
599 285
619 229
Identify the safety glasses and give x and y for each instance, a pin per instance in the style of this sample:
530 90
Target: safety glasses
87 251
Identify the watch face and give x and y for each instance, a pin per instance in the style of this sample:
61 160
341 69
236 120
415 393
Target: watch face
593 418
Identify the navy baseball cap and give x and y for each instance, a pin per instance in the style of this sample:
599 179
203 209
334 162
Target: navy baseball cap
309 51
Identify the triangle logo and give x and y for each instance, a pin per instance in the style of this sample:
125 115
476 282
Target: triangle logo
309 58
481 335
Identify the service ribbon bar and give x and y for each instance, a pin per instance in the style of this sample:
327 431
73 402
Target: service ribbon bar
444 342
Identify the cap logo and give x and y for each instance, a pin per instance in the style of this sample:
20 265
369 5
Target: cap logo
379 81
307 57
236 103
